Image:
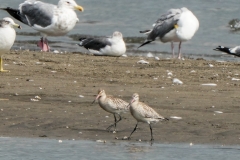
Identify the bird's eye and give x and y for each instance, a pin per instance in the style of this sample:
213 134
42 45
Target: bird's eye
68 2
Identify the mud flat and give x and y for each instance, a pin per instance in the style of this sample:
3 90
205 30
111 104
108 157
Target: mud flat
50 95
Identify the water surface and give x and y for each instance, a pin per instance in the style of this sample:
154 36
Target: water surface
50 149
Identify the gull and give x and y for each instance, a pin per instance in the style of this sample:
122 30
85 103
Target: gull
233 51
48 19
177 25
143 113
113 105
105 46
7 37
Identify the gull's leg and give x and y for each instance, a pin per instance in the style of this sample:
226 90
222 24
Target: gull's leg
40 43
1 61
43 44
133 131
46 46
179 50
172 47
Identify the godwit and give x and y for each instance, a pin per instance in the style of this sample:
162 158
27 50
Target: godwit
113 105
143 113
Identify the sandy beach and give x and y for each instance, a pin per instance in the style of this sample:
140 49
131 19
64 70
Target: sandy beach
50 95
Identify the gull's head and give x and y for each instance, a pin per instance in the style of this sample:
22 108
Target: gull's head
117 34
135 98
8 22
70 4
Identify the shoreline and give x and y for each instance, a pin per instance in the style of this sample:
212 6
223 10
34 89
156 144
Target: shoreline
66 84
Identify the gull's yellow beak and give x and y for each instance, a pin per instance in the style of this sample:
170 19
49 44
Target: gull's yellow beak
17 26
80 8
176 26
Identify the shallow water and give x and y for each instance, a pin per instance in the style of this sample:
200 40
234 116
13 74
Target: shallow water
39 149
102 18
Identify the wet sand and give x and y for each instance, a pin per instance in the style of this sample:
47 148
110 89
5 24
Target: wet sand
66 84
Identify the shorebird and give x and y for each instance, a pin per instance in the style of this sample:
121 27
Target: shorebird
232 51
105 46
177 25
7 37
113 105
48 19
143 113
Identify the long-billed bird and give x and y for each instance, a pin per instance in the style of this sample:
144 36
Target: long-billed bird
143 113
113 105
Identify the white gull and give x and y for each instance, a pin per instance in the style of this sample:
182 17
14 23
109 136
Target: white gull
177 25
48 19
7 37
105 46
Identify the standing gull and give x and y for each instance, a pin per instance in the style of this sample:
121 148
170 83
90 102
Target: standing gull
113 105
7 37
177 25
48 19
233 51
106 46
143 113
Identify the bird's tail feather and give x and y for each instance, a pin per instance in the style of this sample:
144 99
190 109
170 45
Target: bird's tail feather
166 119
16 14
146 32
82 39
223 49
146 42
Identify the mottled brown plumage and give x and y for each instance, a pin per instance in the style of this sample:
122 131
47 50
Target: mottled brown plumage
113 105
143 113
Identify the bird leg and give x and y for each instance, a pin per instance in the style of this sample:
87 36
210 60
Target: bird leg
115 123
133 131
1 63
43 44
115 120
179 50
151 132
172 47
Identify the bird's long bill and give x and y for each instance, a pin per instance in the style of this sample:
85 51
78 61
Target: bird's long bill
132 101
80 8
96 98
